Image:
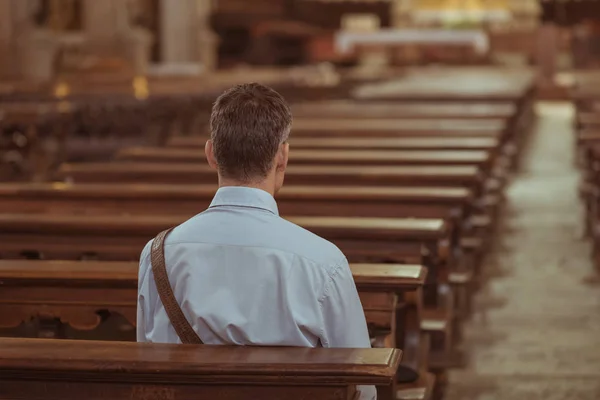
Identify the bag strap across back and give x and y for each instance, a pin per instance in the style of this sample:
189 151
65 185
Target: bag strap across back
184 330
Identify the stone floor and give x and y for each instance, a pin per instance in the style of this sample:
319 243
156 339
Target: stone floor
536 334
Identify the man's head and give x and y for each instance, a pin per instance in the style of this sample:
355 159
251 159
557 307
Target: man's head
249 128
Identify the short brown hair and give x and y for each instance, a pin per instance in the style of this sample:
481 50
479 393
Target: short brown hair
247 125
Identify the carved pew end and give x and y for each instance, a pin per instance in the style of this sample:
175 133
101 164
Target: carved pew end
472 250
438 324
422 389
463 288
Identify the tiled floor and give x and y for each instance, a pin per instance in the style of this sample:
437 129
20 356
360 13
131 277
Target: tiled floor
537 331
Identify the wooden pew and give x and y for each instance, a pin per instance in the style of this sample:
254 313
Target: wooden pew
64 369
503 154
193 173
450 203
33 137
452 84
482 159
363 240
470 177
397 110
339 143
79 293
587 120
454 205
318 127
121 238
465 85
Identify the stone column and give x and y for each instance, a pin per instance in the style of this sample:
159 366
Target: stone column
38 54
185 32
208 41
104 22
32 50
177 30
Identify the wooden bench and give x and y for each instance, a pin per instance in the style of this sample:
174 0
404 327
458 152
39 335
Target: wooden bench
121 237
452 84
587 120
468 176
33 136
118 237
493 167
64 369
397 110
82 293
489 85
340 143
502 154
482 159
303 127
454 205
450 203
315 175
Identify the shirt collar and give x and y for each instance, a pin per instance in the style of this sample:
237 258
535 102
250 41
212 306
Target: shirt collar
244 197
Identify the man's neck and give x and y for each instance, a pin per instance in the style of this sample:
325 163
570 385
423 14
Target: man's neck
262 185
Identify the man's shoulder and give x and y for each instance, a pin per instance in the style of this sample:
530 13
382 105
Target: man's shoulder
263 231
311 246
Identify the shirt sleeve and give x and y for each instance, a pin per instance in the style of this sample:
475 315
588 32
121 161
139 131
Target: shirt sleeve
145 264
344 323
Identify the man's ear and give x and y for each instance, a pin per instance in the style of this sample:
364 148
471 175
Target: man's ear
283 156
210 155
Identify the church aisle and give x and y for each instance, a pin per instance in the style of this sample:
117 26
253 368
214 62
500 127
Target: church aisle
536 333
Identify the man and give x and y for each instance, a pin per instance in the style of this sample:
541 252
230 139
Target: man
240 273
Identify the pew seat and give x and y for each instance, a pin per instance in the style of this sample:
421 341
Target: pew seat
65 369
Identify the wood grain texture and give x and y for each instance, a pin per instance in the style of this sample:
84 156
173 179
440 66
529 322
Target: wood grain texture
426 124
187 364
207 191
378 277
145 225
401 143
325 157
320 175
382 109
76 292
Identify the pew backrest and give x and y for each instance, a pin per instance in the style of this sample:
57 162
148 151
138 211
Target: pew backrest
124 198
65 369
322 175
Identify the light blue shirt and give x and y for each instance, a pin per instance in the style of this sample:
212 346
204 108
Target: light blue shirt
243 275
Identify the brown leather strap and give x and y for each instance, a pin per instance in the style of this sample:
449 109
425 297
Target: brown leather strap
182 326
